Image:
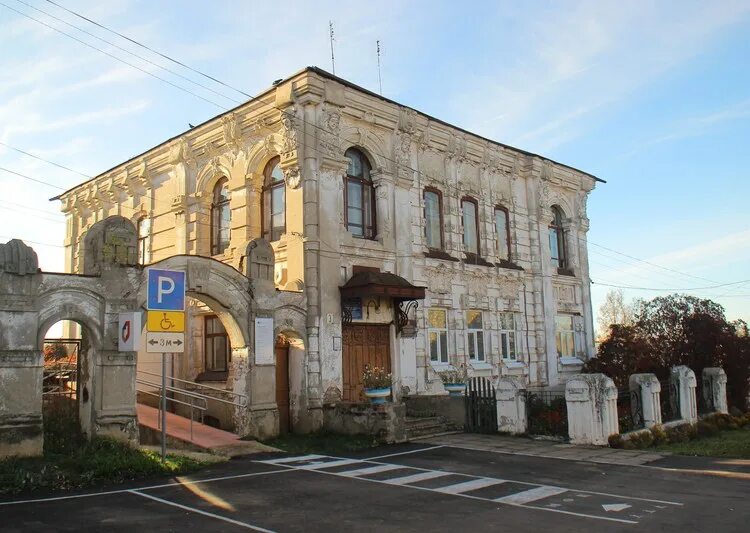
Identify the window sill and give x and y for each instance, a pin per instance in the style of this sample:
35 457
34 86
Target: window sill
439 254
503 263
474 259
565 272
570 361
513 364
480 365
441 367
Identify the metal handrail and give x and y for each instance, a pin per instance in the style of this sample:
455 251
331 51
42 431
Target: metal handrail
241 397
199 407
190 394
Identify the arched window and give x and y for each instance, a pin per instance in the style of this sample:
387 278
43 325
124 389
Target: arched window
433 216
359 196
557 239
274 201
469 211
502 231
221 217
144 240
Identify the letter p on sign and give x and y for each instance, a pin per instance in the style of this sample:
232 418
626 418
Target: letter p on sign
166 290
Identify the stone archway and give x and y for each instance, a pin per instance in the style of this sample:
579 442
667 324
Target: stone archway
112 283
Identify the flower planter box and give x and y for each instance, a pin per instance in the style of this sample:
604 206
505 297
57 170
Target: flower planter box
455 389
378 396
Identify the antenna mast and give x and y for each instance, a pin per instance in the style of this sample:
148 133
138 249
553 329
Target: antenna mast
380 80
333 60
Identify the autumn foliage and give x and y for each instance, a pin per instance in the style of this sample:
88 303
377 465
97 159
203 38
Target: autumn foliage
678 330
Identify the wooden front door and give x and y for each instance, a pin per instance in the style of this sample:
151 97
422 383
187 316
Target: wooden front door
282 387
363 345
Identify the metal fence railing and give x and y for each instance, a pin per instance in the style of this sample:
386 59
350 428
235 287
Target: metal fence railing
547 413
629 410
670 400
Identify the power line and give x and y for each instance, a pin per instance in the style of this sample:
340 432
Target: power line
129 52
293 116
667 290
149 49
112 56
58 165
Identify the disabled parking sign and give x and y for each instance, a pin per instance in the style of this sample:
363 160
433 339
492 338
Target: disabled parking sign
165 290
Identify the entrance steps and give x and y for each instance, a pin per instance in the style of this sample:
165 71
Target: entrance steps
420 427
204 438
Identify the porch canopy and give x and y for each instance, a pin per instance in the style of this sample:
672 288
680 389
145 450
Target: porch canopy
381 284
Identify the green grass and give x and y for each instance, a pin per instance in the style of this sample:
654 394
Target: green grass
101 461
733 443
323 443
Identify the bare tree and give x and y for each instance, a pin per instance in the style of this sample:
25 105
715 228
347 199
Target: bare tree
614 310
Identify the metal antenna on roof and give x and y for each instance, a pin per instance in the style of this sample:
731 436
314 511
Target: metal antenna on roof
333 60
380 80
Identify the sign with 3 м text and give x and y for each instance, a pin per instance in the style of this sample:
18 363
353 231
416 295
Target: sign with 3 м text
165 300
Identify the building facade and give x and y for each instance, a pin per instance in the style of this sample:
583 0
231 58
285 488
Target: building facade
409 243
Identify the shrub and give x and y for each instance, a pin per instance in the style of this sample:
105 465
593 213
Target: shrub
691 430
643 439
679 433
375 377
706 428
615 440
659 434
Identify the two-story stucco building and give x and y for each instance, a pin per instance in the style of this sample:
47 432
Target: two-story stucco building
411 243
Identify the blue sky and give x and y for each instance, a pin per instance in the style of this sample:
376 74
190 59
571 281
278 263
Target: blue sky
653 97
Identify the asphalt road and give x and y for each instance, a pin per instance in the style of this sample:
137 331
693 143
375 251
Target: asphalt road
405 488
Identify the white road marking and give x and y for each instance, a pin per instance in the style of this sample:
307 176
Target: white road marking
293 468
202 512
371 470
414 478
150 487
467 486
297 459
330 464
616 507
531 495
403 453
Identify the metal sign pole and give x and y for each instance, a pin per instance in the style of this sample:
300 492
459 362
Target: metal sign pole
163 407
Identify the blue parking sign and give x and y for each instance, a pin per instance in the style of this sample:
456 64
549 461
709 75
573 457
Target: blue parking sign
166 290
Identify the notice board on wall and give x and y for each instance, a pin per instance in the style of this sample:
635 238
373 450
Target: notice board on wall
264 341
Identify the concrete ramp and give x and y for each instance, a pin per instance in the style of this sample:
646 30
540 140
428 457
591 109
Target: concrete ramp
204 438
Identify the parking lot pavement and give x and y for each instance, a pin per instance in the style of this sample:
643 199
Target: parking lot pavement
403 488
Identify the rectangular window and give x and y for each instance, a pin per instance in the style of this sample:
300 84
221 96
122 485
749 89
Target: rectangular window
471 226
437 335
565 336
144 240
475 335
503 232
433 215
508 345
217 345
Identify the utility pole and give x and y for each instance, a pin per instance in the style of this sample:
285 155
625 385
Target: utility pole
380 80
333 60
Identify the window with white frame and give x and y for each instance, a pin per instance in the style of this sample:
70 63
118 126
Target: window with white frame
437 335
565 336
508 344
475 335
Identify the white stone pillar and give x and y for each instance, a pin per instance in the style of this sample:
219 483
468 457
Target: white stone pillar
645 389
686 384
715 389
511 405
592 409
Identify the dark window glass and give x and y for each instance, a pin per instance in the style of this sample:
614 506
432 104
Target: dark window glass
557 240
217 347
144 240
274 201
433 220
471 226
359 195
502 231
221 218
